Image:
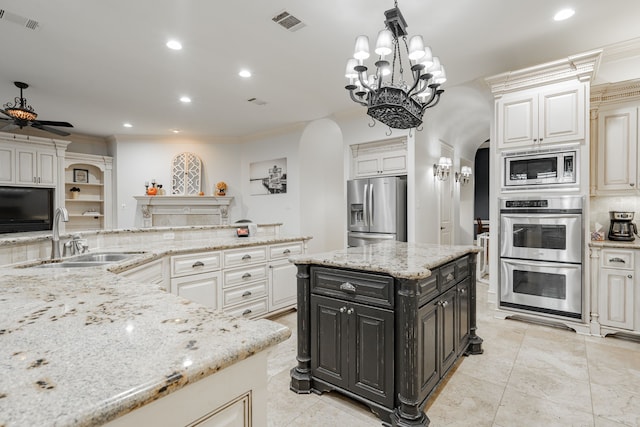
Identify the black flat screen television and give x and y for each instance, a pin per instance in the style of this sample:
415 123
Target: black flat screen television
25 209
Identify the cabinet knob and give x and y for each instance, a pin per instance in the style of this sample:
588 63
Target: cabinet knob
343 309
247 311
630 276
449 276
444 303
541 139
246 293
246 257
350 311
246 275
462 291
535 139
197 264
632 184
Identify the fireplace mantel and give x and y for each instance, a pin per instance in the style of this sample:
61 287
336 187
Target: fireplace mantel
163 211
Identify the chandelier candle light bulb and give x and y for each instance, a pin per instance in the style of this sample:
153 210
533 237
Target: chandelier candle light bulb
388 97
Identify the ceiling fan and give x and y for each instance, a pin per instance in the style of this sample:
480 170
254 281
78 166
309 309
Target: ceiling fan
22 114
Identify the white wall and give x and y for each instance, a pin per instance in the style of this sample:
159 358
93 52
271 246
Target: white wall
143 159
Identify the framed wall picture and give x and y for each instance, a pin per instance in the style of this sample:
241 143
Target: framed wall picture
81 175
268 177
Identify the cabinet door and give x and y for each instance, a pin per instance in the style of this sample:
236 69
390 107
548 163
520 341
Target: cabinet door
7 165
46 167
517 119
282 285
562 114
201 288
617 149
26 167
448 328
367 165
394 163
371 348
464 314
616 298
428 338
328 340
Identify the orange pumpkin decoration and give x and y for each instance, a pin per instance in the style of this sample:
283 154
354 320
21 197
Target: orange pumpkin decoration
152 191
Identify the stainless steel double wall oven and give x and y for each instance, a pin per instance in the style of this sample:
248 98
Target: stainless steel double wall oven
541 254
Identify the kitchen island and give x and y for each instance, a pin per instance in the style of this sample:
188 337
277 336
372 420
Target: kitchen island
384 323
91 346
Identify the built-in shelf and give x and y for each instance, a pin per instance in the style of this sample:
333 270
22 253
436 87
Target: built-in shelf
84 184
84 200
182 210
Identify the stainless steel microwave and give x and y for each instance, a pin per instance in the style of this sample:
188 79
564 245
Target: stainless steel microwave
540 168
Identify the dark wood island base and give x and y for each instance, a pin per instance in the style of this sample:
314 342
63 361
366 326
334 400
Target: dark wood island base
381 335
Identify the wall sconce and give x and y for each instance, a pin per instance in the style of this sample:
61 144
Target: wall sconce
442 168
464 175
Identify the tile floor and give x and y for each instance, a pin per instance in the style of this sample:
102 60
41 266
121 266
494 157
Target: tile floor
529 375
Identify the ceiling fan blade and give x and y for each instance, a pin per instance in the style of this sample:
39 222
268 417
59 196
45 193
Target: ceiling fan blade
50 123
5 113
7 125
38 125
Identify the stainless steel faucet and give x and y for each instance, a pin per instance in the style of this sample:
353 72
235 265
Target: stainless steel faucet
55 241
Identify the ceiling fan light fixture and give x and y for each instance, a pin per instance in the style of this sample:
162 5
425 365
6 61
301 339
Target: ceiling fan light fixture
21 114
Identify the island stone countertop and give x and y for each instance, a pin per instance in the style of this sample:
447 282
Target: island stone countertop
398 259
80 347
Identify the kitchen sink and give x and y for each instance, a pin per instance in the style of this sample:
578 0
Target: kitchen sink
90 260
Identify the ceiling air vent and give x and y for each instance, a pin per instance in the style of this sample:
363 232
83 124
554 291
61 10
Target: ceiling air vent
288 21
257 101
20 20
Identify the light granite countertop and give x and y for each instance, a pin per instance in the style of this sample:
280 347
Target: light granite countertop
398 259
79 347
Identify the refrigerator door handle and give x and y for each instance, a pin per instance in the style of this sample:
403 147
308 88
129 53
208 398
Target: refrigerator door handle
371 213
365 206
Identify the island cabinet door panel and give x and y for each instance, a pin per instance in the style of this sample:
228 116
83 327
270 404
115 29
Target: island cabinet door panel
372 350
463 311
328 338
428 348
448 317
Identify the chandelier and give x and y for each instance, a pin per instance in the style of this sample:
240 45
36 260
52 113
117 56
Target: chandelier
20 110
389 98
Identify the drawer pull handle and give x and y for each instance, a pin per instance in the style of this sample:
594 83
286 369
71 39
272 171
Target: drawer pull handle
286 251
197 264
246 257
247 311
348 287
616 259
449 276
246 275
246 293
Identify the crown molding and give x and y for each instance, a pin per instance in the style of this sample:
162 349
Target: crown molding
614 93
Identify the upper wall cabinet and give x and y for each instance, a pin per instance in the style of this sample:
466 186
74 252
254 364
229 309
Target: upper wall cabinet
615 127
383 158
30 161
548 115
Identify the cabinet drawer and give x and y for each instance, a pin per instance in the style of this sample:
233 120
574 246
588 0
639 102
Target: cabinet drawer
366 288
428 289
284 250
244 293
243 256
194 263
447 276
617 258
462 268
250 309
247 274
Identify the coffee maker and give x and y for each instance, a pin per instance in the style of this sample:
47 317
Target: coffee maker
621 227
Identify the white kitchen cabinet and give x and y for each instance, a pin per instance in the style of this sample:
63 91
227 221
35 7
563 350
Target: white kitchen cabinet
245 282
150 272
7 165
36 167
282 275
617 163
616 299
548 114
381 158
197 277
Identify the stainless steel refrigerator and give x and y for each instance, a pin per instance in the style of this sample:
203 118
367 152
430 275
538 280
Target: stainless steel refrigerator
377 210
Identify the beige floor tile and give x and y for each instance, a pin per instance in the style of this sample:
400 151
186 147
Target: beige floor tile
616 405
519 409
283 405
465 401
322 414
614 366
603 422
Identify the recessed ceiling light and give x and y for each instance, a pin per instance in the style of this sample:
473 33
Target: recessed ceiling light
564 14
174 45
245 73
185 99
175 130
128 125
